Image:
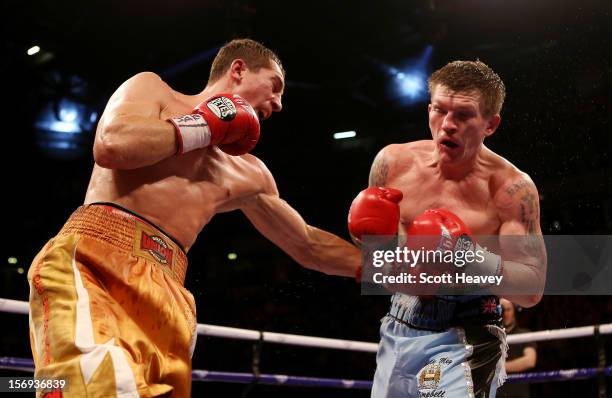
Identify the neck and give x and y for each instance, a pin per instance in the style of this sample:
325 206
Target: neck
220 86
457 170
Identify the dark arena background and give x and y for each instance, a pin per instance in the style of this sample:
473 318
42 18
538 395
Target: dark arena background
352 66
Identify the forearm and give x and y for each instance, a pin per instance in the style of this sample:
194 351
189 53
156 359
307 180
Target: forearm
521 242
311 247
130 142
519 364
519 277
330 254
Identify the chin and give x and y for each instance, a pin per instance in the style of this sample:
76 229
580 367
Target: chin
446 158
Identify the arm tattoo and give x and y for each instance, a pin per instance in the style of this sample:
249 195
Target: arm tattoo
514 188
529 211
378 173
530 218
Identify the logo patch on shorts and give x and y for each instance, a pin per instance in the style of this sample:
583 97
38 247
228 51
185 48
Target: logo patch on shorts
429 378
149 244
223 108
156 247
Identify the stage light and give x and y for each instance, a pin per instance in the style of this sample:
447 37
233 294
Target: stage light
64 129
344 134
33 50
412 85
410 82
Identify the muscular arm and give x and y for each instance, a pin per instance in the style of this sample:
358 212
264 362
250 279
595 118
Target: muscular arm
313 248
379 170
130 133
522 244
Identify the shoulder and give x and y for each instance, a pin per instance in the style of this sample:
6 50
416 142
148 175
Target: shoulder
511 187
144 85
259 169
407 150
396 157
149 78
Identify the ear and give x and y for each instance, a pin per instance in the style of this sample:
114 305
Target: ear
492 124
237 70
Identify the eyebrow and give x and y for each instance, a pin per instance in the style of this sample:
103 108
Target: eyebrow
466 108
460 108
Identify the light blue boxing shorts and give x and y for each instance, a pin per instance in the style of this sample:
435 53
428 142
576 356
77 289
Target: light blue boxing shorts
446 346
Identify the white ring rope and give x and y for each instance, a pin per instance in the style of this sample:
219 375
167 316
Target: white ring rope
283 338
22 307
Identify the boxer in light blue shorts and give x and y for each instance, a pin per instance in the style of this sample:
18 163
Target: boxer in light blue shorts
446 346
450 188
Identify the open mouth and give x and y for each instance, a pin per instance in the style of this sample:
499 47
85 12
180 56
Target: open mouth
450 144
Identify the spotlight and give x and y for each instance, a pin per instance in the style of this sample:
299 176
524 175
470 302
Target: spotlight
410 83
64 129
33 50
344 134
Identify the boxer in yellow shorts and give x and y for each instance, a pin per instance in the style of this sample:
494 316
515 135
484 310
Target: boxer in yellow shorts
108 308
109 312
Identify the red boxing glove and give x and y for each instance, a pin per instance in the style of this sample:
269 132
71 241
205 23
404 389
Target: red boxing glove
442 230
375 211
442 224
438 230
226 120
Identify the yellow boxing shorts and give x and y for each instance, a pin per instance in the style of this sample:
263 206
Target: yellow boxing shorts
108 309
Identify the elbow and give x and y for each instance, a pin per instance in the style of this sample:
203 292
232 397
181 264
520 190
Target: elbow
106 149
104 155
532 363
530 300
537 290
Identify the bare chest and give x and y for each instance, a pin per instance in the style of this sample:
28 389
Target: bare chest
206 179
471 200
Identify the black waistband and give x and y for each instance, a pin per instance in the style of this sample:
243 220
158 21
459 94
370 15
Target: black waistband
441 312
133 213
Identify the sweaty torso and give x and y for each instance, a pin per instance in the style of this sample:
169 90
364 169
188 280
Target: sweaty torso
181 193
412 170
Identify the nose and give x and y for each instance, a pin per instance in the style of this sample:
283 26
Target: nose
448 124
277 105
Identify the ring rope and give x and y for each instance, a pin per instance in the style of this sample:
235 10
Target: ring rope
302 381
22 307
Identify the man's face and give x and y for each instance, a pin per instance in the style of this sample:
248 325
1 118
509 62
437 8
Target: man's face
508 312
263 90
457 123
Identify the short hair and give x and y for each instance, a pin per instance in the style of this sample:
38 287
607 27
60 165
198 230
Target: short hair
255 54
469 76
